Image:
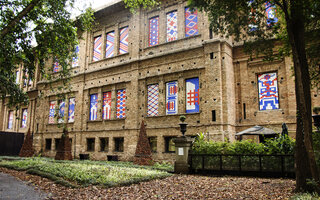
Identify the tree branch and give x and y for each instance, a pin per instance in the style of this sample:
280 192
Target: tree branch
23 13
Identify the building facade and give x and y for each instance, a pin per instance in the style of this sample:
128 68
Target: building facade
154 65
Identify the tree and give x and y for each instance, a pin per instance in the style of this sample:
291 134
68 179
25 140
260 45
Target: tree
31 33
294 31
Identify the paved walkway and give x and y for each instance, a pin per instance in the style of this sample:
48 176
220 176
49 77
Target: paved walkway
14 189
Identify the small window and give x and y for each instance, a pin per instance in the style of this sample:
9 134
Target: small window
104 144
153 144
118 144
56 143
90 144
48 144
169 144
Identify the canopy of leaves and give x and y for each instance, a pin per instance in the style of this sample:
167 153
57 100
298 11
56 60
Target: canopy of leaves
32 33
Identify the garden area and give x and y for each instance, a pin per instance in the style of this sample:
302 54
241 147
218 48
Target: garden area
83 173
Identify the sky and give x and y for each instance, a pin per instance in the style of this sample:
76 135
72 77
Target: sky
83 4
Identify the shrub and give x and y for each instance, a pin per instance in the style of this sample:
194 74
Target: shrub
280 145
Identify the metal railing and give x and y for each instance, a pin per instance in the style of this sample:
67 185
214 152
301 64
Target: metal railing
247 165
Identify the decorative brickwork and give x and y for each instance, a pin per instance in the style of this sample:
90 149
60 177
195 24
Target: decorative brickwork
64 147
27 147
143 154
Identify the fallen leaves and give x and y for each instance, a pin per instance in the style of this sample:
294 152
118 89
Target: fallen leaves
174 187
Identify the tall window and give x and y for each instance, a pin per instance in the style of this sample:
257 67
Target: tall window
192 95
17 76
61 111
10 119
154 31
271 13
153 100
121 104
172 98
110 44
97 45
106 110
93 106
72 104
191 22
172 26
268 91
75 60
52 111
123 47
24 118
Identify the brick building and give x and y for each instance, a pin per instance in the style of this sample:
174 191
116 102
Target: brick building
154 65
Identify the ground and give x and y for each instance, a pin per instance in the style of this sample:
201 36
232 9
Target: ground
174 187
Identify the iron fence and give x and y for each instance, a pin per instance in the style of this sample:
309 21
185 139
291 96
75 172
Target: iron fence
248 165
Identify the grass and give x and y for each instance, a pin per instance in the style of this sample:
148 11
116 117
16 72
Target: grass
86 173
305 196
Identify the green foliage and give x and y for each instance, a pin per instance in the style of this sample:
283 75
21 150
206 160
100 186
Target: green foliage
280 145
305 196
32 37
136 4
88 172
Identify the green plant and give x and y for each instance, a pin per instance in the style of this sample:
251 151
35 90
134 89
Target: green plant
88 172
182 118
305 196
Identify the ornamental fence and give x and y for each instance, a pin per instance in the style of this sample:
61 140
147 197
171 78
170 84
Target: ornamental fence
243 165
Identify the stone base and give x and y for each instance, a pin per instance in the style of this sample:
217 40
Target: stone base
181 168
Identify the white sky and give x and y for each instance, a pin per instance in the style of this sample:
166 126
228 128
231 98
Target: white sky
83 4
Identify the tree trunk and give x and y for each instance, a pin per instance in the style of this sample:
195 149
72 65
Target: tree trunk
305 159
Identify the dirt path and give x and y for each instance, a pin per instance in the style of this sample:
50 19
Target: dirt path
174 187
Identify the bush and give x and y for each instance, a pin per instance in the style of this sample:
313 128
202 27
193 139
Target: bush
280 145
